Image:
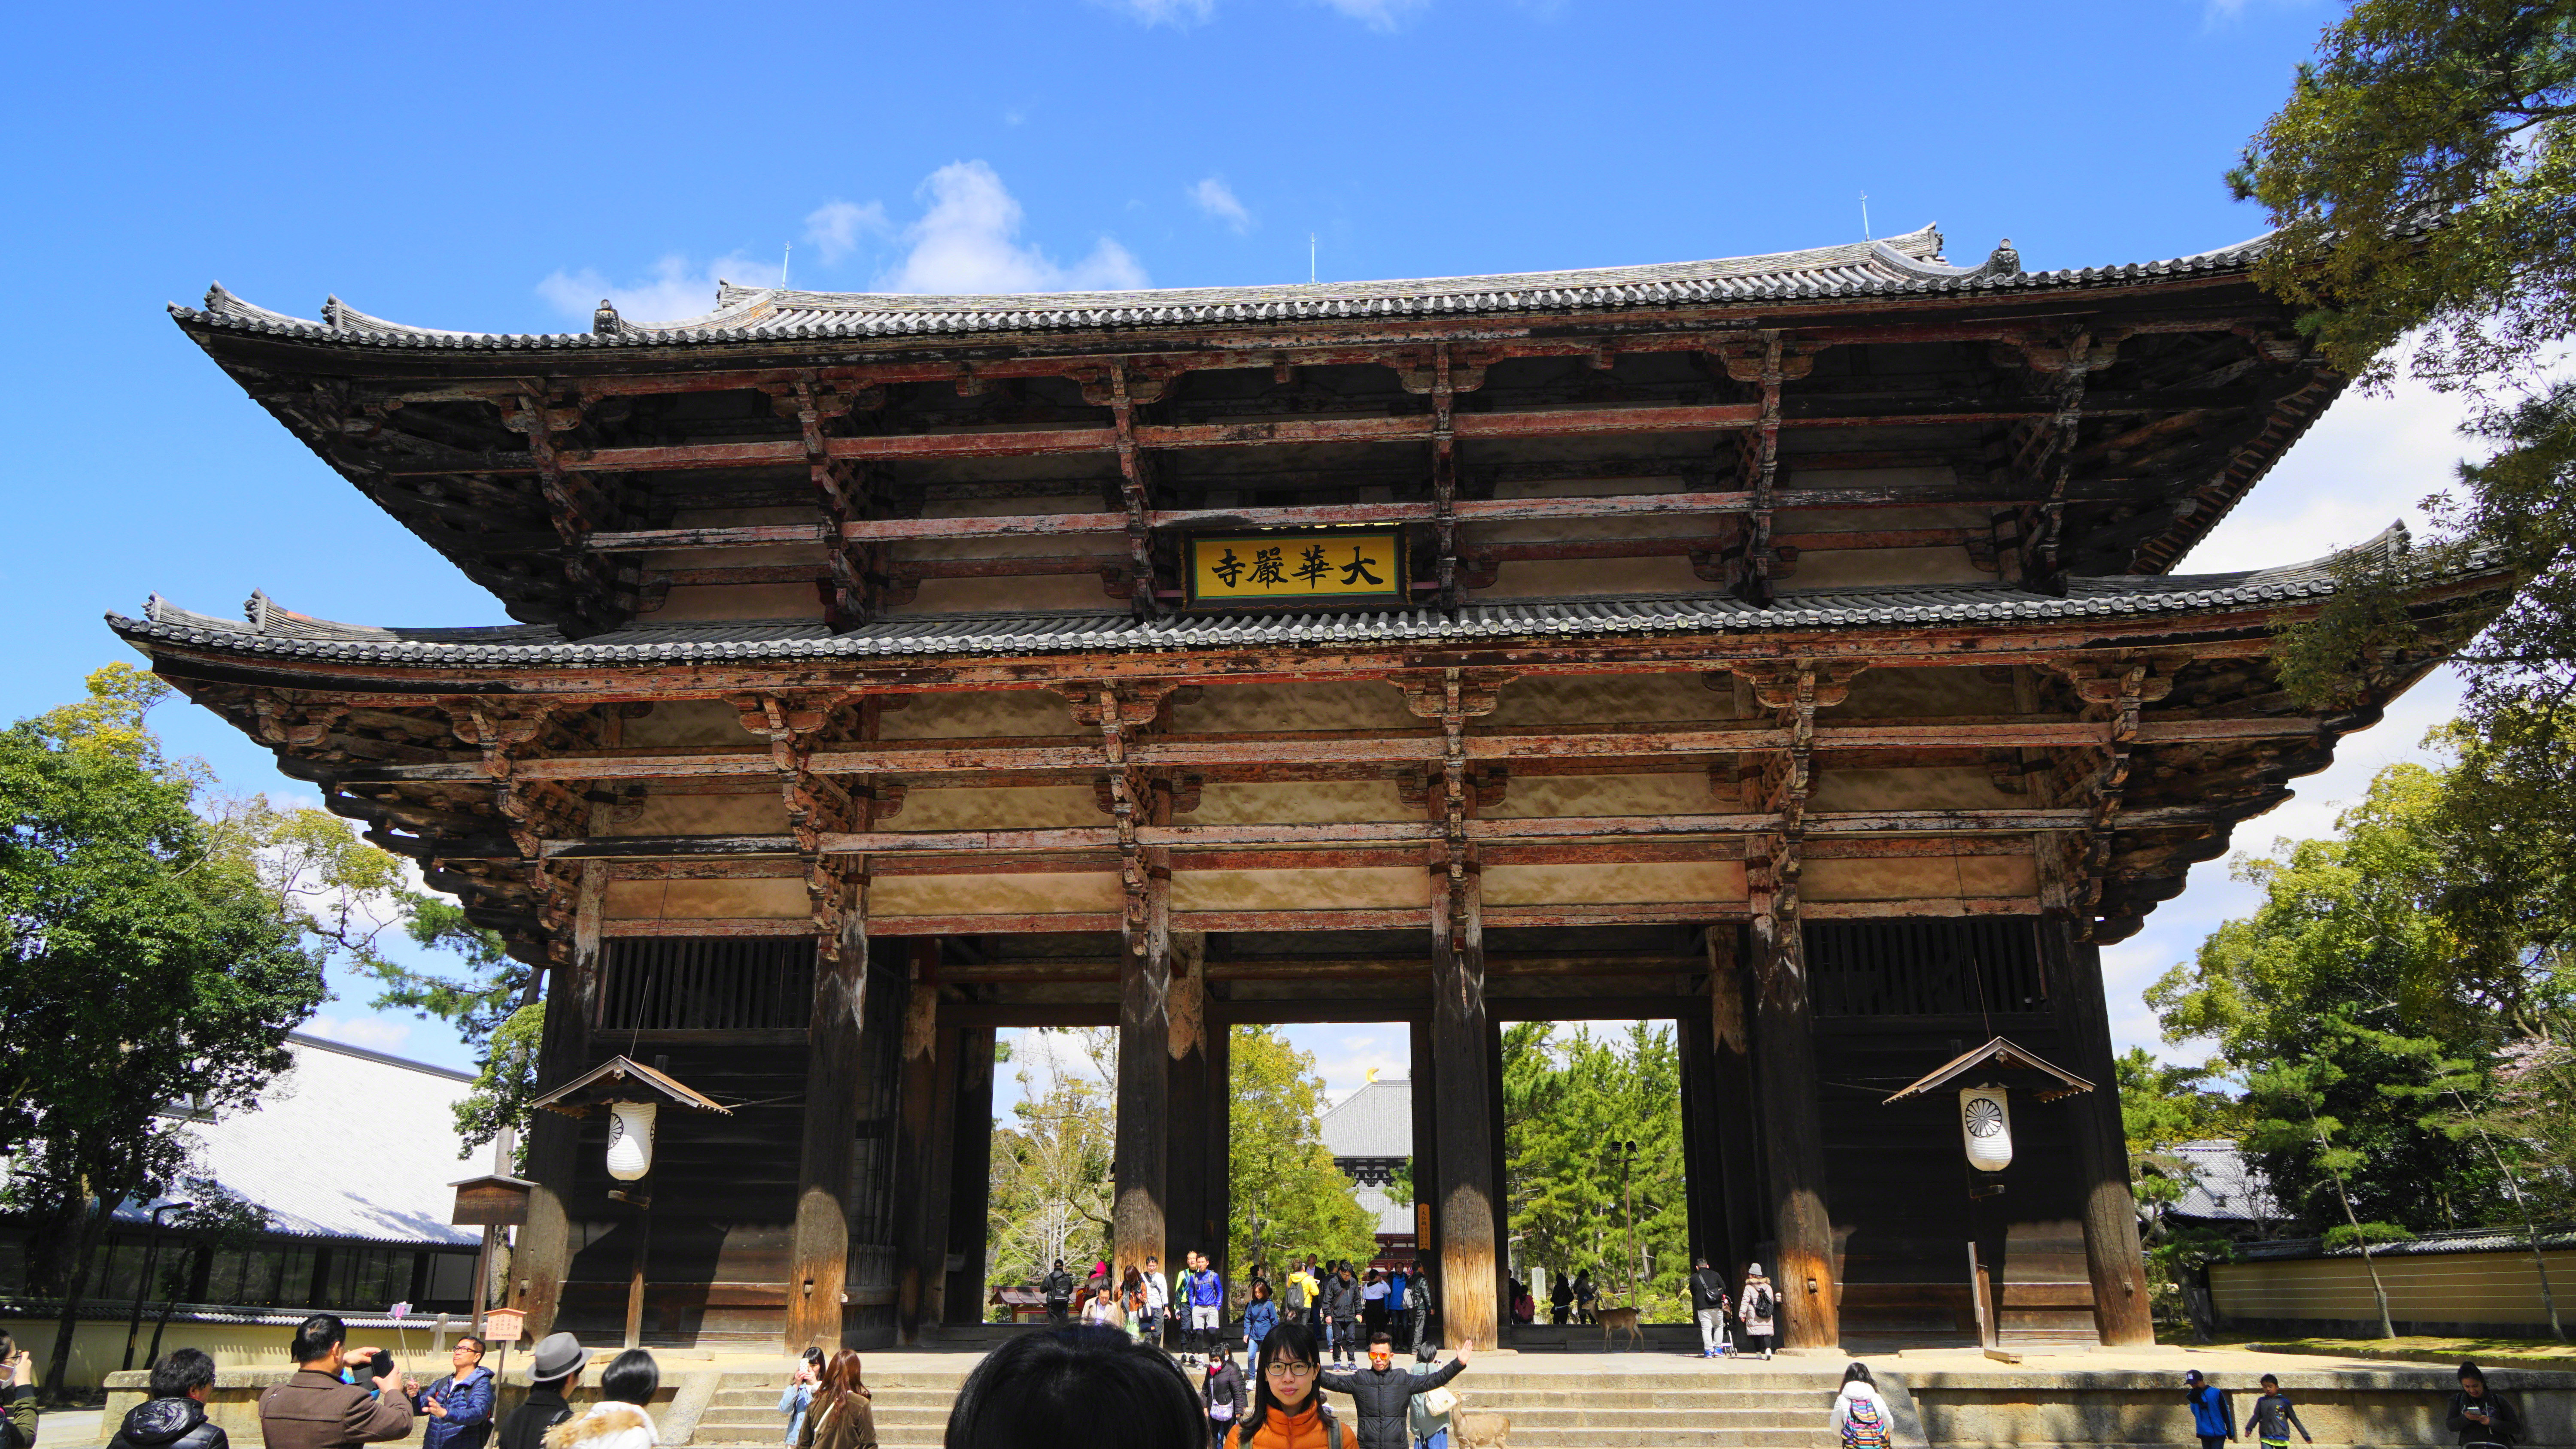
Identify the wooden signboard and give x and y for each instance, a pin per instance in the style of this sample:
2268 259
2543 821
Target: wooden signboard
1297 568
499 1202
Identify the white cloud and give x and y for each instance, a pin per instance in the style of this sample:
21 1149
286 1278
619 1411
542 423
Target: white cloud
1165 12
1218 200
372 1032
675 291
1379 14
837 227
968 242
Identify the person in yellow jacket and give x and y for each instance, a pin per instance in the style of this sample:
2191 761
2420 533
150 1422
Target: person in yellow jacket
1297 1299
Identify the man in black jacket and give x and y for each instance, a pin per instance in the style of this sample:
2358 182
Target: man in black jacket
1058 1288
1708 1302
175 1416
1382 1392
552 1372
1342 1306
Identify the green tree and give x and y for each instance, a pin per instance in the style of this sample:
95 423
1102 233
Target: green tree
2346 937
150 961
2420 177
2290 1101
2162 1107
1051 1185
1573 1197
1287 1196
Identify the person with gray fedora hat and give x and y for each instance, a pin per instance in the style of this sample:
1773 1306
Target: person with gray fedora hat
552 1371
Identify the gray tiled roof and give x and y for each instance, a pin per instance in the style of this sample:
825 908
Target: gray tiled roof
2224 1185
1375 1121
1908 264
291 1153
1904 605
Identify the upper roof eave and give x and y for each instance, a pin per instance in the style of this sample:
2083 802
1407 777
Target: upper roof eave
1900 267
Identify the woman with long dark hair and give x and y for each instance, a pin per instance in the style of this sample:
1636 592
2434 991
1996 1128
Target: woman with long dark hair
1049 1389
1287 1413
842 1416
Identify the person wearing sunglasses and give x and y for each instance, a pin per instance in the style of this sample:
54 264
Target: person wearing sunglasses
1384 1393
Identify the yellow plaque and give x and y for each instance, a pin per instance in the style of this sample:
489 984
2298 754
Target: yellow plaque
1315 566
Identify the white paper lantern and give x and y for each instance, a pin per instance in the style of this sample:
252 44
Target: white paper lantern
630 1139
1985 1123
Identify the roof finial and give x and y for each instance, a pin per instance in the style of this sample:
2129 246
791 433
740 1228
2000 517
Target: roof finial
2005 262
604 322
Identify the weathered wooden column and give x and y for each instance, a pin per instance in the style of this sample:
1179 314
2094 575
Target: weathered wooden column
1744 1196
1784 1053
1149 1041
1426 1145
1195 1111
921 1169
970 1179
819 1265
1463 1195
543 1252
2113 1258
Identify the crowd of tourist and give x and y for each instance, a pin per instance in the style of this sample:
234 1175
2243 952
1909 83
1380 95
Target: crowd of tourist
1107 1370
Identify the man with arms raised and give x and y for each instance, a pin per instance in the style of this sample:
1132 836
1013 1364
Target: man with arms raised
317 1409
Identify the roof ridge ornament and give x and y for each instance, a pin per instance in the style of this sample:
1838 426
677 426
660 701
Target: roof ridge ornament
605 322
2002 262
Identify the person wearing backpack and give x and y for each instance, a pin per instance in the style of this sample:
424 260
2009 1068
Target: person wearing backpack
1860 1416
1223 1396
1383 1394
1754 1307
1708 1303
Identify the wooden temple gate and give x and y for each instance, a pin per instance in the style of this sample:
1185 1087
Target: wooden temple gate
1781 646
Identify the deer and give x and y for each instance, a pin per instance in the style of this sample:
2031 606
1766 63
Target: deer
1614 1320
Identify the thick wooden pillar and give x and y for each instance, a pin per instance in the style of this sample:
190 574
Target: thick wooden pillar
2113 1258
1744 1184
818 1267
1784 1052
1190 1099
1216 1152
1426 1146
543 1252
1139 1213
1464 1194
970 1179
921 1168
1703 1170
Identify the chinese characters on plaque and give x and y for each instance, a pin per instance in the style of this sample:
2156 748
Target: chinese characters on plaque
1323 566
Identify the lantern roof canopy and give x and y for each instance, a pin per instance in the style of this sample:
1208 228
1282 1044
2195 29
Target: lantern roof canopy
624 1079
2001 1053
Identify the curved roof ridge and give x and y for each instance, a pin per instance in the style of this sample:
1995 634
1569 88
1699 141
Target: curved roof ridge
1917 245
1910 263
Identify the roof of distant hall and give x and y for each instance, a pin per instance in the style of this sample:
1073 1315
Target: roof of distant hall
299 1155
1375 1121
1908 264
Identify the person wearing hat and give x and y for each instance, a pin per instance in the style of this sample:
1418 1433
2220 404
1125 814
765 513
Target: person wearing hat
619 1420
1754 1307
1708 1303
552 1372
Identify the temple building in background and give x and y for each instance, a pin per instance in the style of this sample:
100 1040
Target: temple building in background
1789 647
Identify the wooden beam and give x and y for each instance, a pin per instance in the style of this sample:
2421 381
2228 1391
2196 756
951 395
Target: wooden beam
1081 756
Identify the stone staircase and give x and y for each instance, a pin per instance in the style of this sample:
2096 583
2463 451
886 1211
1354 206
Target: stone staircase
1741 1405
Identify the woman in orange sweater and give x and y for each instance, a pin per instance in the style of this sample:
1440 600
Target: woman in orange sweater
1287 1413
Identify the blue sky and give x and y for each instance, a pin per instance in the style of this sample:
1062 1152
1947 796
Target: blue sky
502 167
